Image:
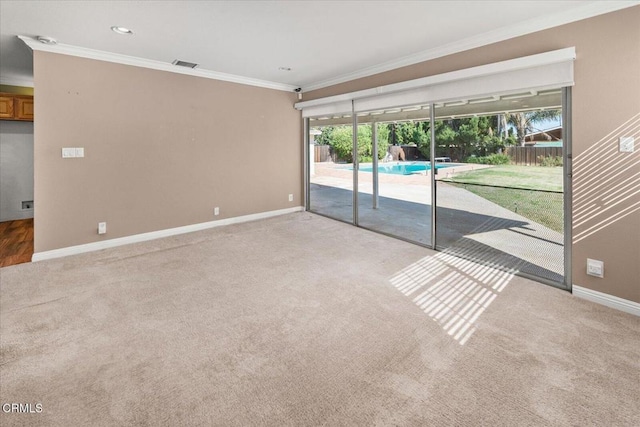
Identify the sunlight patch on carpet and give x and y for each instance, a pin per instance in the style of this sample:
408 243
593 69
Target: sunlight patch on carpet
451 290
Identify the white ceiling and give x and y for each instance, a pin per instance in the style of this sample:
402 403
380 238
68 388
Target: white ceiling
323 42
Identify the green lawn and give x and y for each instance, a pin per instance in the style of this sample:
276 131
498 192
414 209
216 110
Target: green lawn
541 207
530 177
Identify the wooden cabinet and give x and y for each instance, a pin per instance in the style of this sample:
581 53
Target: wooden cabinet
23 107
16 107
6 107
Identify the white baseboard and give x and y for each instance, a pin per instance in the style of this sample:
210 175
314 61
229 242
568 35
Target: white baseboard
136 238
606 299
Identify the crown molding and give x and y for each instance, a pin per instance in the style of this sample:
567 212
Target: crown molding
498 35
65 49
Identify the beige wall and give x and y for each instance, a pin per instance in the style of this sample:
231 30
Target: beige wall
606 95
161 150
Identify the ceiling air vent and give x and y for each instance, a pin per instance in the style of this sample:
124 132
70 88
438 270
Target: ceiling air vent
184 64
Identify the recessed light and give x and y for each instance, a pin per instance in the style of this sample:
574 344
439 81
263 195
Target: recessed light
284 68
121 30
47 40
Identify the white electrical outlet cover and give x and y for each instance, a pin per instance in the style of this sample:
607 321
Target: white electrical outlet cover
80 152
102 228
627 144
595 268
68 153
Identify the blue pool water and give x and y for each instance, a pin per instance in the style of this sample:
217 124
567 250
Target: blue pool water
404 168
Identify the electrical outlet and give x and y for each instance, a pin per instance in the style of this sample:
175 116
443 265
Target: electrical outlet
291 197
102 228
79 151
68 153
626 144
216 211
595 268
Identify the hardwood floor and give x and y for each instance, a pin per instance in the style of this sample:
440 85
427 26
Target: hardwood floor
16 242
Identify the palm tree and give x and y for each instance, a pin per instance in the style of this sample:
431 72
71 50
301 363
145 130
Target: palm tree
524 122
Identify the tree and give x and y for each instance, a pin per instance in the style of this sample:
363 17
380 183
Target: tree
524 122
365 142
325 136
460 138
406 133
445 137
340 138
455 138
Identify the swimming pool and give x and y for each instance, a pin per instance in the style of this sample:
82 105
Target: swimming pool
404 168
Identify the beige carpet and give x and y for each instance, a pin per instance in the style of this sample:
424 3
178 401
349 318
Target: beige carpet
304 321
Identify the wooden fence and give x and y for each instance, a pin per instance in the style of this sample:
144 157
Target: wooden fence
321 153
532 155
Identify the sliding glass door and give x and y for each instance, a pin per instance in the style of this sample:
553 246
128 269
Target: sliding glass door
485 179
330 167
394 191
504 204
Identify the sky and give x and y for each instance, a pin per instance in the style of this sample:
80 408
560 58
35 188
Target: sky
548 124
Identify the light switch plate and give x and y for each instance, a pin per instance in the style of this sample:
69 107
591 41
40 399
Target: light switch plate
79 151
68 153
595 268
626 144
102 228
